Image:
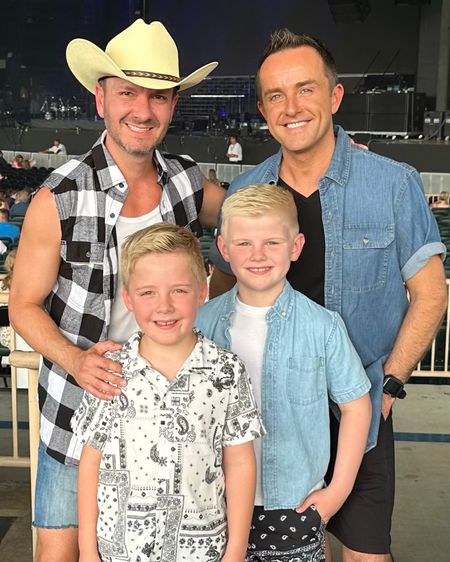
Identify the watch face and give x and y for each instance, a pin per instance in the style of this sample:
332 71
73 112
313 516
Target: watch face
393 387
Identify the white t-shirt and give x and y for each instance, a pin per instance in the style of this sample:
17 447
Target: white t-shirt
248 332
60 149
236 152
123 324
248 335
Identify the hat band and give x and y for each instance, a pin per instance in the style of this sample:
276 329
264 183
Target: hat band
156 76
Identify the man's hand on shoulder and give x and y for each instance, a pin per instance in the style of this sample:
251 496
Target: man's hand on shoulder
97 374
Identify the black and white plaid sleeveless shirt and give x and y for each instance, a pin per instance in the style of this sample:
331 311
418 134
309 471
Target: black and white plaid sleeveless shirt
89 192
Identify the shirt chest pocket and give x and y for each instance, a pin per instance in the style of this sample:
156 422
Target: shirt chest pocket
365 258
305 382
82 254
82 264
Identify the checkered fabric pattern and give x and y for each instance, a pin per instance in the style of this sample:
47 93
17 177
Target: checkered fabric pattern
89 193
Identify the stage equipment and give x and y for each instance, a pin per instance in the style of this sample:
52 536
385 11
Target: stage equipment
433 124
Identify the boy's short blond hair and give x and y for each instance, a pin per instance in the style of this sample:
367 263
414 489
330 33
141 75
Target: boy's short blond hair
161 238
261 199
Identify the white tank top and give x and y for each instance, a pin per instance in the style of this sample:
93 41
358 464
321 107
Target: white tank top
123 324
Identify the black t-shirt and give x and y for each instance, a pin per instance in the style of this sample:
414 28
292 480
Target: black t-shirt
307 274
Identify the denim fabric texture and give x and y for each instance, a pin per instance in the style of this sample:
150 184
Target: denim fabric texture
379 232
308 357
56 493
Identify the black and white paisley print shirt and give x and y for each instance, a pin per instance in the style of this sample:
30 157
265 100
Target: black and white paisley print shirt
161 483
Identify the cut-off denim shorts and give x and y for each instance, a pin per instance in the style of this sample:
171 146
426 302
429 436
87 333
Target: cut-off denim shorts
56 493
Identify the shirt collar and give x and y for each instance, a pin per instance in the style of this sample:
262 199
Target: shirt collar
339 168
194 364
161 167
282 307
273 169
109 173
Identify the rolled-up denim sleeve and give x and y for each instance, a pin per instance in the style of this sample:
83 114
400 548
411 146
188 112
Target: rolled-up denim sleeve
417 233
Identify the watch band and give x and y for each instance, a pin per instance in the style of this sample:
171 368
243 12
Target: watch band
394 387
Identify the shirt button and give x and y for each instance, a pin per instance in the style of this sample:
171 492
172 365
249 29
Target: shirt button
283 314
121 185
88 254
112 215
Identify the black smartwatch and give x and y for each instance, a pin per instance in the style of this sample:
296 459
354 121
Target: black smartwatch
394 387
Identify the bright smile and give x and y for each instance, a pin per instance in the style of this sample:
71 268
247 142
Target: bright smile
296 125
166 324
259 270
138 128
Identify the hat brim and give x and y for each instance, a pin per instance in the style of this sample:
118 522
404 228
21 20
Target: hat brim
88 63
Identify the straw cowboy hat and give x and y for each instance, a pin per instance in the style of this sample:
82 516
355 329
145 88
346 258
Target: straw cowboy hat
144 54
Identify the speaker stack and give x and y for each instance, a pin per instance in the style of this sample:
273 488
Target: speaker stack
433 125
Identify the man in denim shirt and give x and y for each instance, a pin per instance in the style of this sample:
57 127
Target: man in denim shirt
368 233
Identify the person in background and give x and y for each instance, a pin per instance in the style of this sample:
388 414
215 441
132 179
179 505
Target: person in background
9 266
443 201
212 176
4 202
5 286
17 162
7 229
3 163
56 148
21 203
234 152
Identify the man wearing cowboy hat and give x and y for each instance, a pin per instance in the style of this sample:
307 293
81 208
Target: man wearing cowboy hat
72 311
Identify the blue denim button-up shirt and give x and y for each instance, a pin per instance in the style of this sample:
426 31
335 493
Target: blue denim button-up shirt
378 233
308 356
